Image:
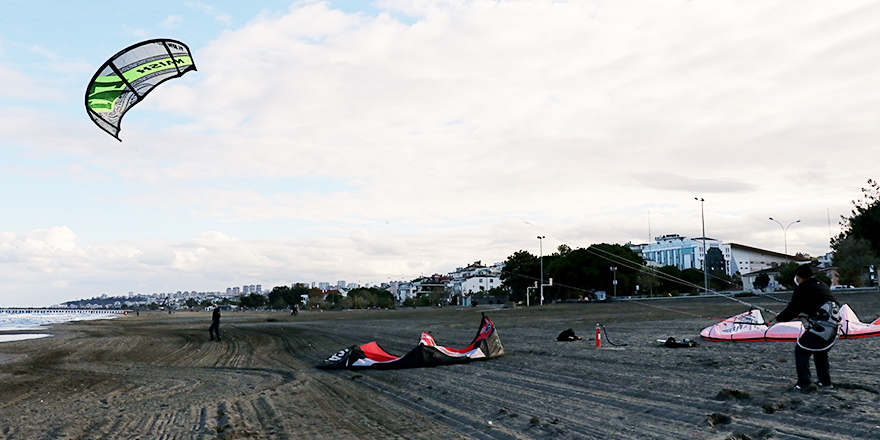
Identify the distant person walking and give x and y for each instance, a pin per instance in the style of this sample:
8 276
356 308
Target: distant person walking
215 323
812 298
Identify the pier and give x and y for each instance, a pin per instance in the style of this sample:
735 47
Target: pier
43 311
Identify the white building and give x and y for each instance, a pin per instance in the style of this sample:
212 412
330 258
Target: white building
479 283
684 253
747 259
401 290
473 279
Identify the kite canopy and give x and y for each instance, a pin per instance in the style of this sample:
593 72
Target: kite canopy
126 79
751 326
486 345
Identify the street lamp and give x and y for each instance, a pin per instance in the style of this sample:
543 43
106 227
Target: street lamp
785 232
541 244
705 251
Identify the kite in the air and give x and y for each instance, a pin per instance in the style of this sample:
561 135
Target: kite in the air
751 326
127 77
486 345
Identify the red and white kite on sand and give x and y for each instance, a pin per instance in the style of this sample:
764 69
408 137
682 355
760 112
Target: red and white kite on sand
751 326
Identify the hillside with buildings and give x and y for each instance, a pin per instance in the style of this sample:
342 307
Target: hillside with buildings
731 266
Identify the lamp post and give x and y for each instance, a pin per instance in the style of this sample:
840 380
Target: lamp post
705 251
614 271
541 244
785 232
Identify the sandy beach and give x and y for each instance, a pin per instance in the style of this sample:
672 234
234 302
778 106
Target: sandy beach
156 376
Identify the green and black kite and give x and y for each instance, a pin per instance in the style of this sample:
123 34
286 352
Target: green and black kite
126 78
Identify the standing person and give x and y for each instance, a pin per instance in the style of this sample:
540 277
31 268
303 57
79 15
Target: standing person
215 323
812 298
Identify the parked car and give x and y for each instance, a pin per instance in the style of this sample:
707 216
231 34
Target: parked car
841 286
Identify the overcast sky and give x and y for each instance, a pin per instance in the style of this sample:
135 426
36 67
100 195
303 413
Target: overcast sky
377 141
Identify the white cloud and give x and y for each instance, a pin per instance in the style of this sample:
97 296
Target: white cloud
172 22
59 63
443 137
44 52
219 16
137 32
497 96
19 85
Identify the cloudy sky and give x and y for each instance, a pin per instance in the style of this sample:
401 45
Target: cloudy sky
377 141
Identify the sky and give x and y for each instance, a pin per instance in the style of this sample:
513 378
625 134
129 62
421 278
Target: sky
380 141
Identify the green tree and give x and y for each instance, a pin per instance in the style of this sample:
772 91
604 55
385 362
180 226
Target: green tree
853 256
373 297
574 271
521 270
191 302
253 300
761 281
786 275
298 291
334 300
419 301
858 245
277 296
648 281
674 281
823 278
864 221
282 297
695 277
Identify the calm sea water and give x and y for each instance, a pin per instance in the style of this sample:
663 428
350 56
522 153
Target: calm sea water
26 321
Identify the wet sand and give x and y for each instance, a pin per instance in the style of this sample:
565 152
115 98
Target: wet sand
157 376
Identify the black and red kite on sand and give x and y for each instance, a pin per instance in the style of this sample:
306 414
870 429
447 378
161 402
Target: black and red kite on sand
486 345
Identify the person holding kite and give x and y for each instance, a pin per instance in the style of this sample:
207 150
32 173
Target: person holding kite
812 298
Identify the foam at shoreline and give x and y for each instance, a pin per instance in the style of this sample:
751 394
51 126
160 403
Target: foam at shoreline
28 321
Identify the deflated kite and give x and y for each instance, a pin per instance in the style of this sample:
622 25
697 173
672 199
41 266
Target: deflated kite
751 326
486 345
126 79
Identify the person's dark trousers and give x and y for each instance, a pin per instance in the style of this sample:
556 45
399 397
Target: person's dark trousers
802 361
215 329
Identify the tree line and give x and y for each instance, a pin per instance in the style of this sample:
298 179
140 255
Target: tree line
579 273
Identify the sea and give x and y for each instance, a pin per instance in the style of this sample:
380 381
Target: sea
12 322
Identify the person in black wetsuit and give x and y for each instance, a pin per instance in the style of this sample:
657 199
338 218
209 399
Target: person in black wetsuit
812 298
215 323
